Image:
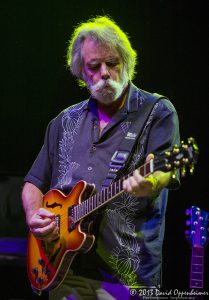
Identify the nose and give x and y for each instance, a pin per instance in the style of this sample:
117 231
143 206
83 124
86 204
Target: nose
104 71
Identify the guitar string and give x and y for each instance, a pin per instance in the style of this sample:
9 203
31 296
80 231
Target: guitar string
63 218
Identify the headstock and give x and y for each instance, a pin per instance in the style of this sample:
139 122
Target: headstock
179 158
198 224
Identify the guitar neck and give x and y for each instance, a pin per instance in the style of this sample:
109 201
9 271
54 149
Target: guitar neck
197 267
107 194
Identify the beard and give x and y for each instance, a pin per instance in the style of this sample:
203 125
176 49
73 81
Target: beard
108 91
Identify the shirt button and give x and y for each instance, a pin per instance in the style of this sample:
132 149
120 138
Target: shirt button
94 148
90 168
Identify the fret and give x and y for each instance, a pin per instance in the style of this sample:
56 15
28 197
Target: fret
120 185
197 268
197 256
141 170
197 276
91 203
74 214
102 195
77 212
147 168
117 187
109 192
114 189
98 199
198 250
86 207
94 202
197 260
81 210
86 210
196 284
106 195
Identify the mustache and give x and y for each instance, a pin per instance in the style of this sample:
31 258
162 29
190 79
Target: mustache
101 84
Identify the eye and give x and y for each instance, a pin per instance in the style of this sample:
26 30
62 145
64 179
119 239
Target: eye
112 64
93 67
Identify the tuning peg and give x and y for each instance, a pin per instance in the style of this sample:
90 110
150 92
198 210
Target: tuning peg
176 163
176 149
191 140
167 153
173 175
185 160
168 166
191 169
183 171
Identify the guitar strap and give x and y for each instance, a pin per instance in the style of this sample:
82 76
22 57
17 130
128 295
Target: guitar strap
122 155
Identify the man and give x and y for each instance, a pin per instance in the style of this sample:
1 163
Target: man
79 144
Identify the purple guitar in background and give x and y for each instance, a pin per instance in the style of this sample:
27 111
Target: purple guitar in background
198 237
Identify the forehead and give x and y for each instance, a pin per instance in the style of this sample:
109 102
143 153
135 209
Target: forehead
95 50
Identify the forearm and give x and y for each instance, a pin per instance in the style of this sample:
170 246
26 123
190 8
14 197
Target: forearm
32 199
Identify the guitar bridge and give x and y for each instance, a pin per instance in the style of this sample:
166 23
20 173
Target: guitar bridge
71 223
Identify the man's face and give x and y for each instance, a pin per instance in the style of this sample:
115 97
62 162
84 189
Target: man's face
103 71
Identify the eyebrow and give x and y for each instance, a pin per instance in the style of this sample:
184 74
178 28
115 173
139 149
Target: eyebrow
96 61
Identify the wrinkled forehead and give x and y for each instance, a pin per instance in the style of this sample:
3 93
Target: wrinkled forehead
95 49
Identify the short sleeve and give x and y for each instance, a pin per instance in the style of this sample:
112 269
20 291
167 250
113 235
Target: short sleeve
40 172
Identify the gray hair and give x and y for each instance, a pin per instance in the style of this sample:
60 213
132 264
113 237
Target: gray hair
105 31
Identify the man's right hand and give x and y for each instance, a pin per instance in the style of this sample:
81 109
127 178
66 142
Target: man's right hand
41 221
43 225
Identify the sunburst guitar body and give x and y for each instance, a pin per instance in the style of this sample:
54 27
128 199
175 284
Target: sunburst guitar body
47 263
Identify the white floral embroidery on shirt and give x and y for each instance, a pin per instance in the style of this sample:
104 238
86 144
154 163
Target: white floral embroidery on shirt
125 257
70 123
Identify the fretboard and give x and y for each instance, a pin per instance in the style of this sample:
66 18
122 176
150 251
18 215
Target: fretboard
107 194
197 267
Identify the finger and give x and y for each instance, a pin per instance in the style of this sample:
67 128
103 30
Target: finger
138 178
126 185
42 212
37 222
149 157
131 185
134 184
49 237
43 231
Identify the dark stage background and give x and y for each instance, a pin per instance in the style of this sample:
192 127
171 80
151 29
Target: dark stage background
171 40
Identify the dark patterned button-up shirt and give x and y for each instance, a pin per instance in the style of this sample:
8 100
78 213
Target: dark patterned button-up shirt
129 230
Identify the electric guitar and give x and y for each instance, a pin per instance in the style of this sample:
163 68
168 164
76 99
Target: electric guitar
48 262
198 237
